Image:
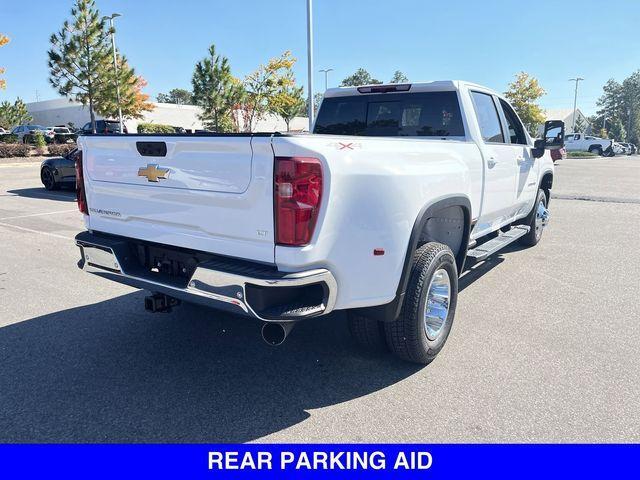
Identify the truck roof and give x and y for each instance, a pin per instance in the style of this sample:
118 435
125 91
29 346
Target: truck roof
438 85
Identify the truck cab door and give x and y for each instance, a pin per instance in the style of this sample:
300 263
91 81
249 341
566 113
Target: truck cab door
526 173
500 167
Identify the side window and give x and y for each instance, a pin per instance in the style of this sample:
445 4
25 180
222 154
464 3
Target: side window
568 138
488 119
516 130
87 126
576 136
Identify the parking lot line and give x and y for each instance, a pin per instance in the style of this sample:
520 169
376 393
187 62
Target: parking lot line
2 224
38 214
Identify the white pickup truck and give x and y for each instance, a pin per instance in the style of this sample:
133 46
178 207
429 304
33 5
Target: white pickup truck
579 142
375 213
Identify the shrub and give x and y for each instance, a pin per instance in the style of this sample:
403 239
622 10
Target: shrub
39 141
9 138
8 150
61 150
580 154
155 128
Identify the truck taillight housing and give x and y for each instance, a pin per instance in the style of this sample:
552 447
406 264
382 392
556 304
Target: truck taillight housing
81 196
297 195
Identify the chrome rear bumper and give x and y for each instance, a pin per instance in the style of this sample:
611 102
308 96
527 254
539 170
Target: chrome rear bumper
215 284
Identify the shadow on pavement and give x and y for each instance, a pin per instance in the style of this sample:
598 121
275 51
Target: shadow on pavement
110 372
66 194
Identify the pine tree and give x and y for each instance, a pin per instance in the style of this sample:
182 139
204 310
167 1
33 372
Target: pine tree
13 115
216 91
79 58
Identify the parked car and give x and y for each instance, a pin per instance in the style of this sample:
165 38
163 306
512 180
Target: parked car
26 132
587 143
103 126
3 131
558 154
62 134
375 213
629 148
57 172
619 149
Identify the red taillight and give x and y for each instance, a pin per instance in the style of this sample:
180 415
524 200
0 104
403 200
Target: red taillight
297 195
81 196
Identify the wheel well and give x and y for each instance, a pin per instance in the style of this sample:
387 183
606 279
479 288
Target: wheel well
446 226
595 146
447 221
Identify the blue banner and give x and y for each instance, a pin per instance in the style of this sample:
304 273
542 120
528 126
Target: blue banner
319 461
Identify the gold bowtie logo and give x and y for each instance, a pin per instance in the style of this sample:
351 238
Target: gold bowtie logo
153 172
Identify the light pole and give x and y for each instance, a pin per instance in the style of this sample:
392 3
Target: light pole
575 101
326 76
115 64
310 60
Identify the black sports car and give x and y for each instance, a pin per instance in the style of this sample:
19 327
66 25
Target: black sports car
59 171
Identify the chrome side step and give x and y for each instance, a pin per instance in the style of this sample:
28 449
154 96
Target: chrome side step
487 249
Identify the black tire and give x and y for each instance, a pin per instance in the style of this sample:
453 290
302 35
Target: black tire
366 332
597 150
48 179
535 228
407 336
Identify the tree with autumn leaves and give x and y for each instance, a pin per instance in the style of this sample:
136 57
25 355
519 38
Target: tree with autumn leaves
523 94
3 41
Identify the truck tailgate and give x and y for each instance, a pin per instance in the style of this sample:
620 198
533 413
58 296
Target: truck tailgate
209 193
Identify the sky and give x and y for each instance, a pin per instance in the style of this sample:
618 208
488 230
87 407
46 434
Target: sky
483 41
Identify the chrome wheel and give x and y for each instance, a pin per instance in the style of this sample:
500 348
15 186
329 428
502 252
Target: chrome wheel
542 217
436 307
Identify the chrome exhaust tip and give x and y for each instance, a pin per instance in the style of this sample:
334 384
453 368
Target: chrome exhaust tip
275 333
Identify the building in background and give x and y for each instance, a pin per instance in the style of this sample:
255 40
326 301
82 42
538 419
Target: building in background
63 112
566 115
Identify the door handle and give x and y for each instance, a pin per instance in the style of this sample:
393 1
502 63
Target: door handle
491 162
520 160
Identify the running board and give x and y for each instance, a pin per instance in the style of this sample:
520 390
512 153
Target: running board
492 246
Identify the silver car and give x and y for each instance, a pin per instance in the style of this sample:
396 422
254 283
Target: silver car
23 130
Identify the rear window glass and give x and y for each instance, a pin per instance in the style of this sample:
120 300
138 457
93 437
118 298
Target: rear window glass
428 114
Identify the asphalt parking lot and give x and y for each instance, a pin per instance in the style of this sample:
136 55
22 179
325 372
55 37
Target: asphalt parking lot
545 346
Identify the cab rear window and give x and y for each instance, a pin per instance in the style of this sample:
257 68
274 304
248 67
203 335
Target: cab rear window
427 114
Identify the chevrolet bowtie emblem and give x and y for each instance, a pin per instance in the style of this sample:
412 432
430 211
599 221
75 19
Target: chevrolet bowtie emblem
153 172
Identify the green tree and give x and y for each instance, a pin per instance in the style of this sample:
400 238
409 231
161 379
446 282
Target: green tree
80 56
261 85
580 125
179 96
617 130
360 77
133 103
620 104
216 91
317 100
287 100
523 93
14 114
399 77
3 41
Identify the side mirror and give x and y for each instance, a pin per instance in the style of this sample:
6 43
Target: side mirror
552 138
553 134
